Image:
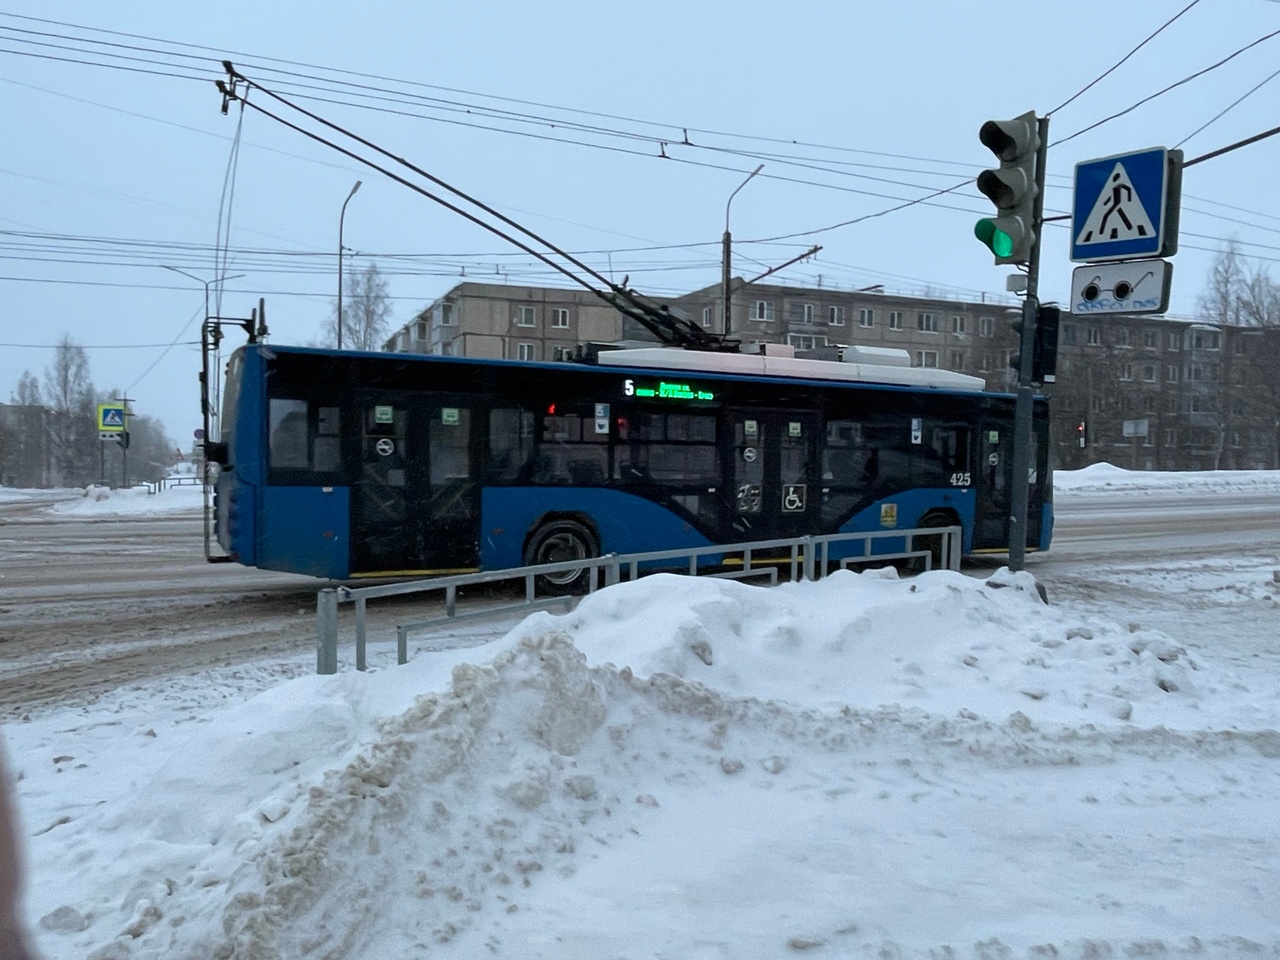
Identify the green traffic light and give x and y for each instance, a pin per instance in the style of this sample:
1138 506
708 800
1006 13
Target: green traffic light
997 241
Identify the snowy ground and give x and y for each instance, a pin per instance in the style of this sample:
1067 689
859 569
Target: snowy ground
864 766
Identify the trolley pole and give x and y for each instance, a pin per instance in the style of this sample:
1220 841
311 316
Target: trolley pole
1022 418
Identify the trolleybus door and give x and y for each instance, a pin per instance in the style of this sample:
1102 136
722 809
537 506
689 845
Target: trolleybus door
772 491
995 487
417 504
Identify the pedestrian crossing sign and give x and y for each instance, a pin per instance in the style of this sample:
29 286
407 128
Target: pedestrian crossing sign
110 418
1126 206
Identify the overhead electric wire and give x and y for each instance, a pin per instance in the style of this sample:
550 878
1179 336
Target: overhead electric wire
1115 66
1225 110
1172 86
673 140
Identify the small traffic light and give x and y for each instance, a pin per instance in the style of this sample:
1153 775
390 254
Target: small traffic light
1013 188
1082 433
1044 359
1044 349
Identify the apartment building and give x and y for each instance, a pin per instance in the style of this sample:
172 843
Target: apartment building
1145 392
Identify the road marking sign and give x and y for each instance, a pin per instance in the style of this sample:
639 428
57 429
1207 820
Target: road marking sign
110 418
1126 206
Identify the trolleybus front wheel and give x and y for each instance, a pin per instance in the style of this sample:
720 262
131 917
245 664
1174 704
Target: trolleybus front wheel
558 541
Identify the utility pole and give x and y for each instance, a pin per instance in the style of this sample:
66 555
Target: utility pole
726 294
124 442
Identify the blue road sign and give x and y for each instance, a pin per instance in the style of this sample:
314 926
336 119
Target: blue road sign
110 418
1121 207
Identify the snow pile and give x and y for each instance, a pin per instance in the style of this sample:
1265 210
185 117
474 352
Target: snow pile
1104 476
681 768
100 501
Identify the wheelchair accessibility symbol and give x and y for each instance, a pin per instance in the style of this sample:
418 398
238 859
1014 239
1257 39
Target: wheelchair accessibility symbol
793 498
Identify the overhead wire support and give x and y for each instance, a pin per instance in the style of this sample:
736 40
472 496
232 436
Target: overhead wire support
666 326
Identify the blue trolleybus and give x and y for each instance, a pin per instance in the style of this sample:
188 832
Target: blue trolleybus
344 464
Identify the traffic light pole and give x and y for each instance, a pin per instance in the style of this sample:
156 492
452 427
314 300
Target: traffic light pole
1022 418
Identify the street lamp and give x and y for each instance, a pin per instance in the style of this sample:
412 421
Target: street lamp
724 286
341 218
204 283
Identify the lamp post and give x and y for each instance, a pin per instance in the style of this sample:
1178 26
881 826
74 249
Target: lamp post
724 285
204 283
341 218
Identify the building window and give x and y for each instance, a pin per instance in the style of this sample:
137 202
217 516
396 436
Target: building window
1095 337
527 317
927 322
1150 339
706 316
1148 373
1171 405
957 361
448 317
895 319
524 351
446 349
1173 342
984 363
1194 404
1171 373
835 316
1126 371
866 317
958 324
804 341
1206 340
1194 372
799 312
1170 438
420 330
926 358
560 318
1009 359
986 326
562 353
1096 405
1149 405
1122 337
762 310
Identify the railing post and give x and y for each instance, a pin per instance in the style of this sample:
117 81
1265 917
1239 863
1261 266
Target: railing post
402 646
808 559
327 631
360 636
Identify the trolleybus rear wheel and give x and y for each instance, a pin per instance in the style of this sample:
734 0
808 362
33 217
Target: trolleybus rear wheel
556 542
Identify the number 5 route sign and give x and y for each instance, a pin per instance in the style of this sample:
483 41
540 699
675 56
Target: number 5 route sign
1126 206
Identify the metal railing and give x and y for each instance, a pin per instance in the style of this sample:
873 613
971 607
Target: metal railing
155 486
805 558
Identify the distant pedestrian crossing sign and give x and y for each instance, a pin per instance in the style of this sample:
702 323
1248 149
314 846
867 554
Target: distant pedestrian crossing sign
1126 206
110 418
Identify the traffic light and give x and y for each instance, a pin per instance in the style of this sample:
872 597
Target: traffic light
1044 349
1010 234
1082 433
1044 359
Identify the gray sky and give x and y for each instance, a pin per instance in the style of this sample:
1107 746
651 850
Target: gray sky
555 113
